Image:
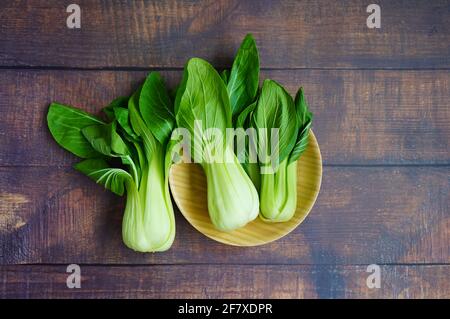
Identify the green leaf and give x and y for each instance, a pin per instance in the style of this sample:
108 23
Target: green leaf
122 116
301 143
304 117
137 154
301 107
156 107
204 99
275 109
168 160
99 135
225 75
128 152
244 117
105 139
118 145
130 143
114 179
138 125
65 124
244 121
121 101
242 84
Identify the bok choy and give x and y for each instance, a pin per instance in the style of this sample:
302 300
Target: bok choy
127 154
203 108
275 116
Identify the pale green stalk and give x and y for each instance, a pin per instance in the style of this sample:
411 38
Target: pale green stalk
279 193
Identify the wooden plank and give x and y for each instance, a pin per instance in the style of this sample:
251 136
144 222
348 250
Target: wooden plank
233 281
363 215
362 117
290 34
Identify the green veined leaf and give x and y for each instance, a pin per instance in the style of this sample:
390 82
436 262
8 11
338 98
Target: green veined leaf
105 139
168 160
130 139
275 110
65 124
156 107
244 121
243 118
225 75
304 117
139 127
128 152
204 99
301 108
121 101
114 179
301 143
136 149
122 116
243 81
99 135
118 145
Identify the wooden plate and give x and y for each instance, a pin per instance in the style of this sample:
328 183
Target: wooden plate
188 186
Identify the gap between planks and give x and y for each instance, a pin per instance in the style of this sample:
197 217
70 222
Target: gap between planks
228 264
131 69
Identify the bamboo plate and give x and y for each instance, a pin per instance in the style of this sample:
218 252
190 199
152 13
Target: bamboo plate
188 186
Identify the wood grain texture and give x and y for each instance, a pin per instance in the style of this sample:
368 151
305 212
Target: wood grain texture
233 281
363 215
362 117
189 191
290 33
382 120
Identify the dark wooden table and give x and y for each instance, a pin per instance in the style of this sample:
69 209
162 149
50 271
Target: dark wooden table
381 100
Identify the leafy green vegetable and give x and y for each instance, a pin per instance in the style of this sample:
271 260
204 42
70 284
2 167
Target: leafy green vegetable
132 152
232 198
204 99
137 134
121 101
278 180
225 75
243 80
304 122
99 135
105 140
243 119
251 167
156 107
282 127
157 210
114 179
122 116
275 111
65 123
